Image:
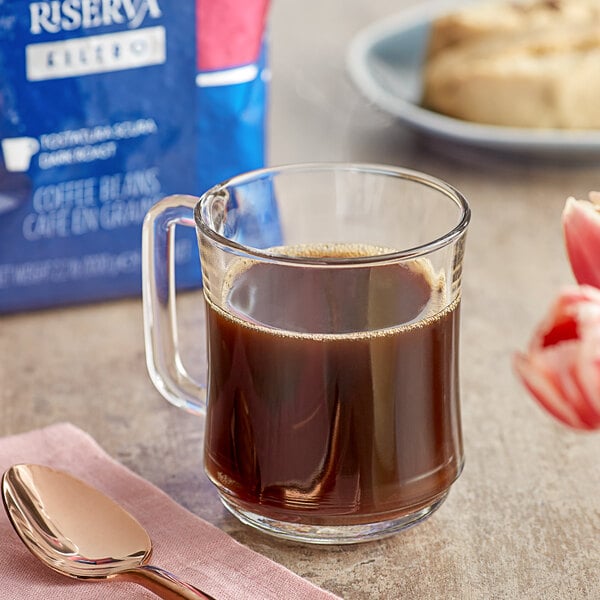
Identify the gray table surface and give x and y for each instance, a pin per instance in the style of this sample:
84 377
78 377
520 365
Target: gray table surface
523 521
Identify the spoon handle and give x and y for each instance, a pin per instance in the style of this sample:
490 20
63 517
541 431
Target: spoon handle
164 584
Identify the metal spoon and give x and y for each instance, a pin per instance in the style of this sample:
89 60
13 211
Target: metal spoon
78 531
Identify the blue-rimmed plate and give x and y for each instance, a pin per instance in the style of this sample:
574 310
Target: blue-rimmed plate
385 62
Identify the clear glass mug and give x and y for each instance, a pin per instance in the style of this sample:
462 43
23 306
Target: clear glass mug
332 295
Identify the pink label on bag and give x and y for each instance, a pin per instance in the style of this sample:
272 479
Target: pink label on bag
230 32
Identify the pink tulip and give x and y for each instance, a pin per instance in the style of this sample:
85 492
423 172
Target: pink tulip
581 226
561 367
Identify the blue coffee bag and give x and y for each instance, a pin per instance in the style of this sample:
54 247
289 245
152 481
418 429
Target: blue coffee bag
106 107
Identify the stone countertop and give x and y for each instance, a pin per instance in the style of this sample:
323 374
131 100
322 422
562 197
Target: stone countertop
523 520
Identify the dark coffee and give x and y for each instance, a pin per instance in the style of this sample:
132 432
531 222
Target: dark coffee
333 393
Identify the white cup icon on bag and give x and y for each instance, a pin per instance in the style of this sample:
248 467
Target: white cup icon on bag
18 152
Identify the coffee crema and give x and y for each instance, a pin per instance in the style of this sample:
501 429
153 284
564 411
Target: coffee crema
333 391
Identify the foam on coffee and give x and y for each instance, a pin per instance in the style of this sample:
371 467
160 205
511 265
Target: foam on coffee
420 266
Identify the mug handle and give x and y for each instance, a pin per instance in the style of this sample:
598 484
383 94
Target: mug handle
163 360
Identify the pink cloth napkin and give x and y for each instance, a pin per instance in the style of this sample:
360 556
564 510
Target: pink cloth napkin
184 544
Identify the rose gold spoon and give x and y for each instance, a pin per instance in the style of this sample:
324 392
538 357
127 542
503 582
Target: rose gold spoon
78 531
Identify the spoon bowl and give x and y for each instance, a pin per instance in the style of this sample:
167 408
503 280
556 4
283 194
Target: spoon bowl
77 531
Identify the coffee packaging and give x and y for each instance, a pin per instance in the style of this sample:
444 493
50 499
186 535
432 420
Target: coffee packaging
107 106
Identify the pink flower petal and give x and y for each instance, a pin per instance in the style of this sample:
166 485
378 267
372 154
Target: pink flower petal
539 382
561 367
581 226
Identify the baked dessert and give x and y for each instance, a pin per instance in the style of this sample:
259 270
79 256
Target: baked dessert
508 17
522 64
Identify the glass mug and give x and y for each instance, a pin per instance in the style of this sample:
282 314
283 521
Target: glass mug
332 296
